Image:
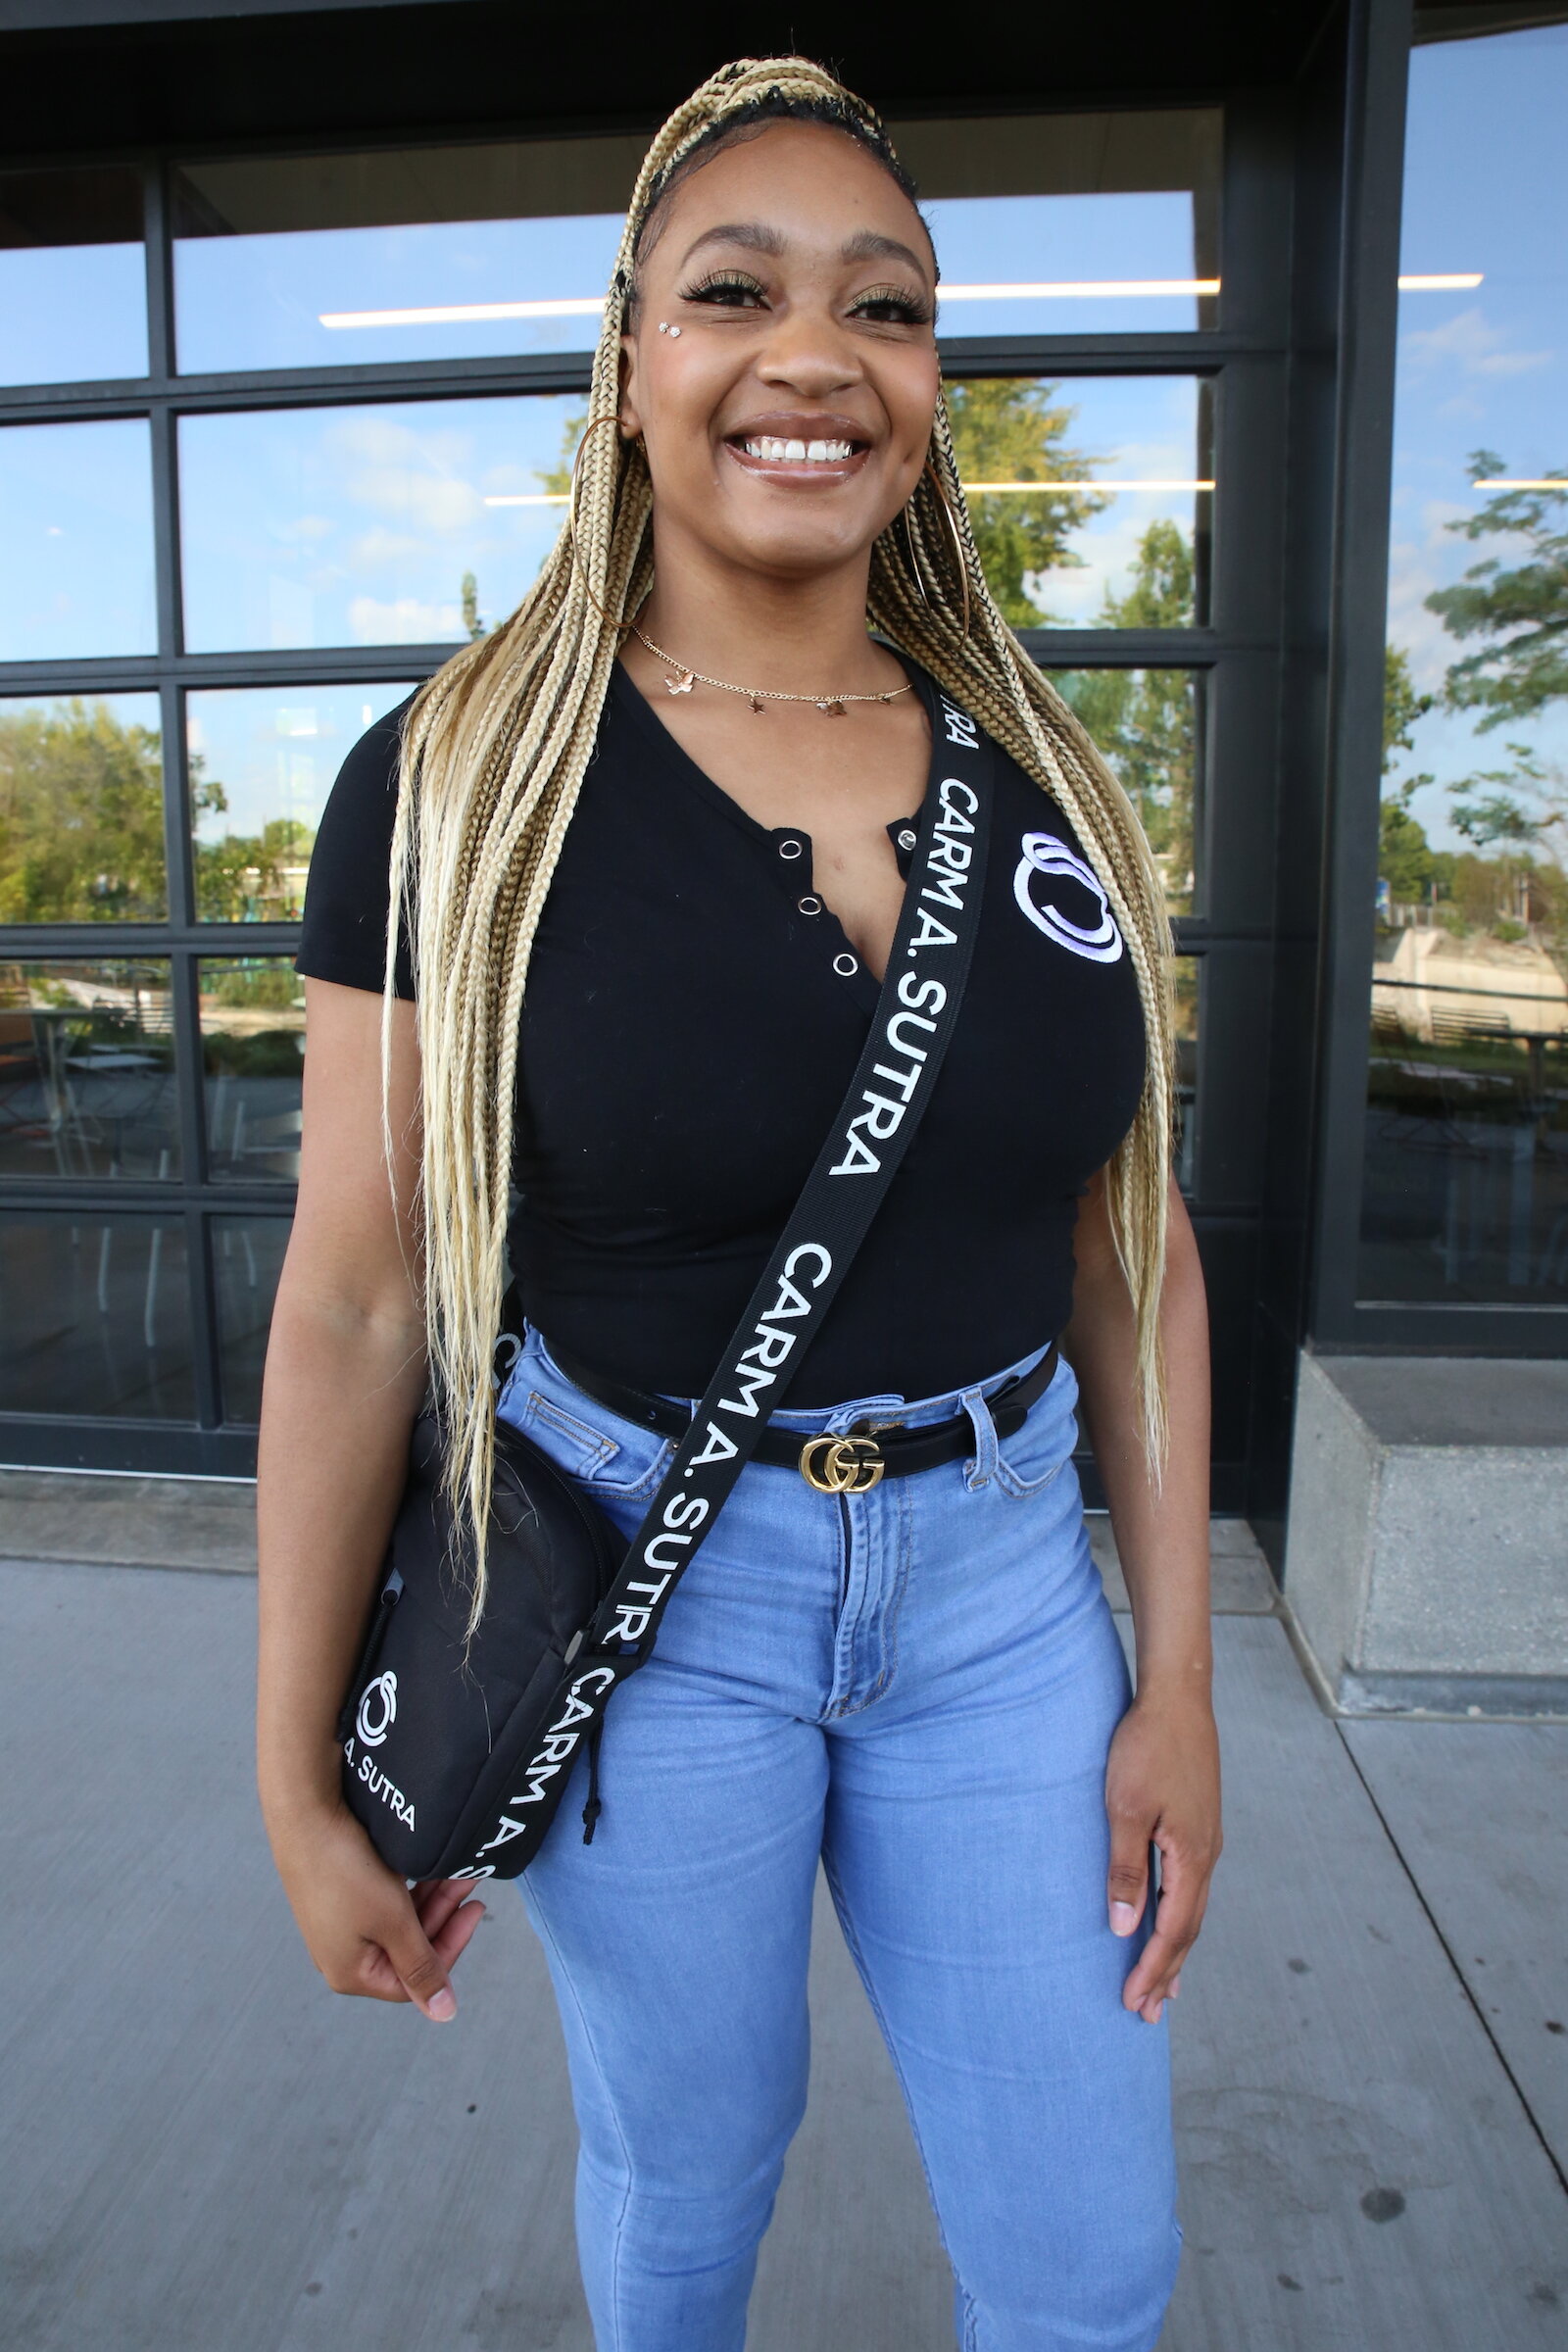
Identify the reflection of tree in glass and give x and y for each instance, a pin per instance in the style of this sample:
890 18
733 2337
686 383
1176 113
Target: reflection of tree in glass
81 817
1146 720
249 878
1520 668
1523 612
1010 429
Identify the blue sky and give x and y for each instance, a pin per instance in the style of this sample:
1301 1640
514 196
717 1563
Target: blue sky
1486 189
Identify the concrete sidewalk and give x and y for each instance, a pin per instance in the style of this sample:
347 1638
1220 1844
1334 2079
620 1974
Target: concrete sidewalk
205 2152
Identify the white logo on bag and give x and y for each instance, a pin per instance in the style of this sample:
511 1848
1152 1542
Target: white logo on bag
379 1707
1043 853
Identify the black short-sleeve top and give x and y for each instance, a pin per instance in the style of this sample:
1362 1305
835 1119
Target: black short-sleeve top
693 1016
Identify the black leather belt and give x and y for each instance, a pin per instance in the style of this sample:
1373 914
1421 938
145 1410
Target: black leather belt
835 1462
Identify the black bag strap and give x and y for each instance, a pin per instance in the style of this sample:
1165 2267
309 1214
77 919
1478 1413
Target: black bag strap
915 1017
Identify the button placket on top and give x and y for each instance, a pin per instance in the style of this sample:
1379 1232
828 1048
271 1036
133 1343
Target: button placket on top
793 854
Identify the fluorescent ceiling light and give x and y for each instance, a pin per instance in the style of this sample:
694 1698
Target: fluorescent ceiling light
1546 482
1457 284
537 498
468 313
994 489
1064 289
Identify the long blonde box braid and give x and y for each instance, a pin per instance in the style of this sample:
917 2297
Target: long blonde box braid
494 754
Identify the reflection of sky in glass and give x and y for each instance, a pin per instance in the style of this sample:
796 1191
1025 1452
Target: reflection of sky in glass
77 534
259 301
1486 189
1056 240
277 750
71 312
1132 428
355 527
256 301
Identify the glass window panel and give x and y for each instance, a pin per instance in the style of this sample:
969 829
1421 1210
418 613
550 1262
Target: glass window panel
87 1071
444 253
1466 1190
1089 224
1123 542
72 276
77 525
262 760
252 1054
1150 725
97 1317
400 525
81 809
323 261
247 1260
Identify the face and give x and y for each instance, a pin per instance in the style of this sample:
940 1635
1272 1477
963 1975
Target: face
789 421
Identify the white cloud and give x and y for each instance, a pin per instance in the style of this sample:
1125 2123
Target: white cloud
404 621
1468 342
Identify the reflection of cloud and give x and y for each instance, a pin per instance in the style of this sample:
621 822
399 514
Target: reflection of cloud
1108 541
374 548
1418 566
307 527
1469 342
415 476
404 621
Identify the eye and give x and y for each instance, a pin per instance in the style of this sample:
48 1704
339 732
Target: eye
892 305
726 289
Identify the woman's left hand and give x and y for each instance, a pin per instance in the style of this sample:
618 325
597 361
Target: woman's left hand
1162 1789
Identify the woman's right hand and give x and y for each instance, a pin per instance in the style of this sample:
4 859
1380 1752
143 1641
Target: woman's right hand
363 1927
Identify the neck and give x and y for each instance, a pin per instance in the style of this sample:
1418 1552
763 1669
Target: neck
791 635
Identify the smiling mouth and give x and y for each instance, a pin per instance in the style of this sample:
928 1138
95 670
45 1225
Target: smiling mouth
799 455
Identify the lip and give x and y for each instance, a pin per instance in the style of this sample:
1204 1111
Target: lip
800 425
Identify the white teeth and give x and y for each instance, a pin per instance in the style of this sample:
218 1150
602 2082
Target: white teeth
769 450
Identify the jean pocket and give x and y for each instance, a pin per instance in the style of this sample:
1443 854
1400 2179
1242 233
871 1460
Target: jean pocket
1040 1451
610 1456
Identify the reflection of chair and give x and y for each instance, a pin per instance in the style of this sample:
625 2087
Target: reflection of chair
273 1140
134 1143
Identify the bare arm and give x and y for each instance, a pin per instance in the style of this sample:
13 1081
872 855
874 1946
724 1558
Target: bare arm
345 1375
1163 1776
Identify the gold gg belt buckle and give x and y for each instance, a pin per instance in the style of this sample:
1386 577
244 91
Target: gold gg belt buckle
850 1464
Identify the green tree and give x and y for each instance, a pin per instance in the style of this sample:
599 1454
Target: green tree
1146 720
1011 429
81 817
1521 614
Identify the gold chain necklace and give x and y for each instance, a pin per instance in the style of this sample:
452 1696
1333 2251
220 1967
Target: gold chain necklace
682 679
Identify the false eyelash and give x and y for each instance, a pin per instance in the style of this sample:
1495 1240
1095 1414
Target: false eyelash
732 282
917 312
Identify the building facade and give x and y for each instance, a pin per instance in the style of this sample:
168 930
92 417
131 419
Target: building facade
1252 329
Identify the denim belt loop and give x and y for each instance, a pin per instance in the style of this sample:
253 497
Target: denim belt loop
983 1467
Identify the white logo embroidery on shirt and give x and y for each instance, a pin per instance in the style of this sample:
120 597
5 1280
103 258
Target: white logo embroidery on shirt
1043 853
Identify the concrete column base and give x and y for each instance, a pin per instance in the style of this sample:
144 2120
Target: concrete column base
1426 1561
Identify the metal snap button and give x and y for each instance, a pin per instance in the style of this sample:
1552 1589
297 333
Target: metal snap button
810 905
846 964
908 837
790 849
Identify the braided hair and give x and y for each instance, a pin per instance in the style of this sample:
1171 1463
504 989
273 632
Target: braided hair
497 743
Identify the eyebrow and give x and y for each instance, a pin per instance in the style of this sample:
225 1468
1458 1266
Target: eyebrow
867 244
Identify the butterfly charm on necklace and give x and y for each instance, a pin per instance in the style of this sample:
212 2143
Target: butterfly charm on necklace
681 685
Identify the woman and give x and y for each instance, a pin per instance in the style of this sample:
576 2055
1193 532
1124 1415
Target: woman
920 1685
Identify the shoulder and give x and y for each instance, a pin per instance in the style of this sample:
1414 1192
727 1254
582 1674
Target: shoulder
347 896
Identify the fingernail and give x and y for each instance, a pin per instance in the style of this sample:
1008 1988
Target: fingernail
1157 2013
441 2006
1123 1919
1175 1984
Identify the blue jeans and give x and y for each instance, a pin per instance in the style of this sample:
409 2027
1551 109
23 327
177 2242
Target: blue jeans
916 1686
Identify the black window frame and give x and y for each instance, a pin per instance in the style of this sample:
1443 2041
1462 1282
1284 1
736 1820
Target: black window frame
1237 651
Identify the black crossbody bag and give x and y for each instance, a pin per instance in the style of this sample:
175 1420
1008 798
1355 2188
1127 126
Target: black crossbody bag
456 1754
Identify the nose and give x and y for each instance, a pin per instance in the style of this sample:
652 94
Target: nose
809 352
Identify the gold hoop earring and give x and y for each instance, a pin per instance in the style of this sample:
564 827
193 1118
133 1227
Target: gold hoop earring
951 520
572 520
